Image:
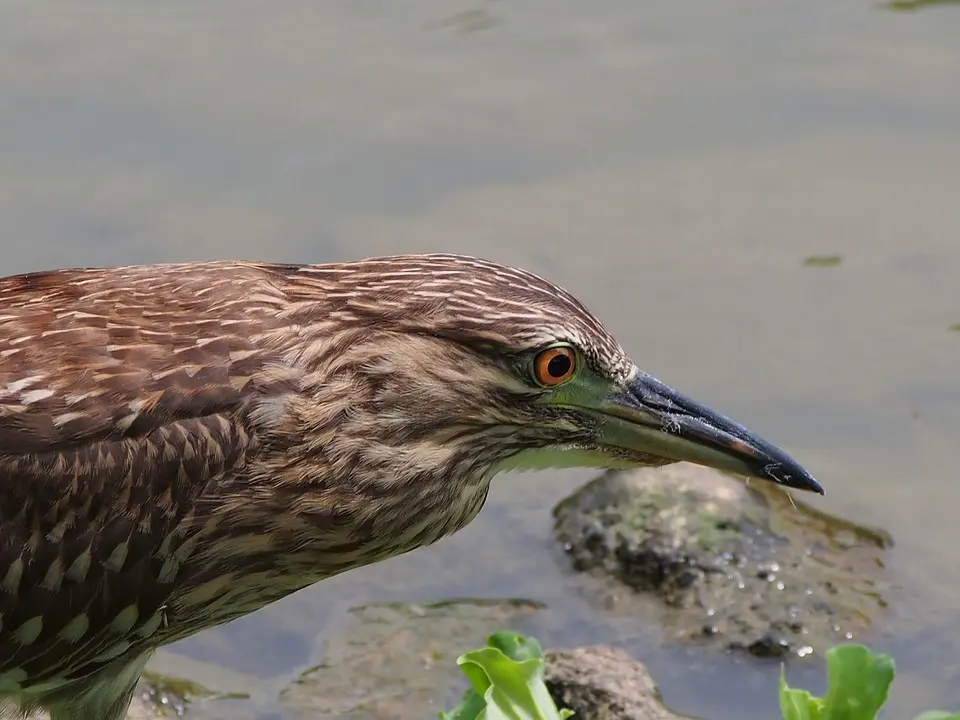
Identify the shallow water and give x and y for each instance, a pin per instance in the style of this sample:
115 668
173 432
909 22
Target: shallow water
671 163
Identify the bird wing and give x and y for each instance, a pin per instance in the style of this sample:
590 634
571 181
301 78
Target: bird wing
122 401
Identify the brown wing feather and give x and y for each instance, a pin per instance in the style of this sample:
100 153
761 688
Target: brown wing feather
90 357
123 400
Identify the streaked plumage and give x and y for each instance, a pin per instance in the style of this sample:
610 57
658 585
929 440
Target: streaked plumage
183 444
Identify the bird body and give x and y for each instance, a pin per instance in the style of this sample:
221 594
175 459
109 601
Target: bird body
181 445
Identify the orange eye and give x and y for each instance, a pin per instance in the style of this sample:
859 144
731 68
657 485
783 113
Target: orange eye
554 366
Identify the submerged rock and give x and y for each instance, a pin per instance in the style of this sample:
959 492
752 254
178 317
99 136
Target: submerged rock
603 683
212 692
175 686
398 661
141 708
737 565
163 696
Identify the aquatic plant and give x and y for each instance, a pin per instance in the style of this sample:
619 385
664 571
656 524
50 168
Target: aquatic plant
858 681
506 679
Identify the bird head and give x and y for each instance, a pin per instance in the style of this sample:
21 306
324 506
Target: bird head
517 373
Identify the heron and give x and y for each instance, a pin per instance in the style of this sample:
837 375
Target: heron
183 444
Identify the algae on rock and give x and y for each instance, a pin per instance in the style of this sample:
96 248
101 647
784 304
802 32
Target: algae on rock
740 565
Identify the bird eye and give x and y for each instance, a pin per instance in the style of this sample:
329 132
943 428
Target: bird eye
554 366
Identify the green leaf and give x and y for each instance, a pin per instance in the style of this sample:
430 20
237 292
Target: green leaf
512 690
516 647
469 707
506 679
857 683
798 704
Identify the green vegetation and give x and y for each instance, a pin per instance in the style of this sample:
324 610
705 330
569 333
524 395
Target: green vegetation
858 681
910 5
506 679
822 261
507 684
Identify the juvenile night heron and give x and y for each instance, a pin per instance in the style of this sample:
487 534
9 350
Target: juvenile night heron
181 445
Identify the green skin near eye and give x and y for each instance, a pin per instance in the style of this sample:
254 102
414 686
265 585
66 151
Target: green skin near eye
579 389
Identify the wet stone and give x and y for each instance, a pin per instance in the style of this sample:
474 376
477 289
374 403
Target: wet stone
175 686
603 683
733 565
140 709
398 660
165 697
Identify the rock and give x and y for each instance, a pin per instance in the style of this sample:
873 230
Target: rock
603 683
140 709
733 565
398 660
160 696
144 709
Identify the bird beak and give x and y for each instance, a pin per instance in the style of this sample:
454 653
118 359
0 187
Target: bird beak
652 418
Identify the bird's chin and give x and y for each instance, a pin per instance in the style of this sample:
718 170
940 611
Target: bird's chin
619 457
606 457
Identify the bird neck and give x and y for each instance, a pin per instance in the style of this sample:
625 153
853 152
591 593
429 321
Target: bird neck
377 509
343 505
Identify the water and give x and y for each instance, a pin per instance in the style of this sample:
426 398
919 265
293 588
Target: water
671 163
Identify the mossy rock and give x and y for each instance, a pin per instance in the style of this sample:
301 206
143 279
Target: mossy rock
742 566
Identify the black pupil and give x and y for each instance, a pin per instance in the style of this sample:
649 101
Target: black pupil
558 366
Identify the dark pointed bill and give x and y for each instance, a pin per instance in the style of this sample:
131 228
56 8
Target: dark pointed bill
652 418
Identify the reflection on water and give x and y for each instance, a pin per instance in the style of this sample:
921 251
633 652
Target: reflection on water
671 163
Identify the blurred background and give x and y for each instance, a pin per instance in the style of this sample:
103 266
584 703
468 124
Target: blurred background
759 198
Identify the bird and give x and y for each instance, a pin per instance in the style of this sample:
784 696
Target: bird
182 444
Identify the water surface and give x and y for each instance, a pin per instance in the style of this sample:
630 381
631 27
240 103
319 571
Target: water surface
671 163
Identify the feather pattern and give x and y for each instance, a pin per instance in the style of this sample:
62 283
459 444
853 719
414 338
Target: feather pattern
183 444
